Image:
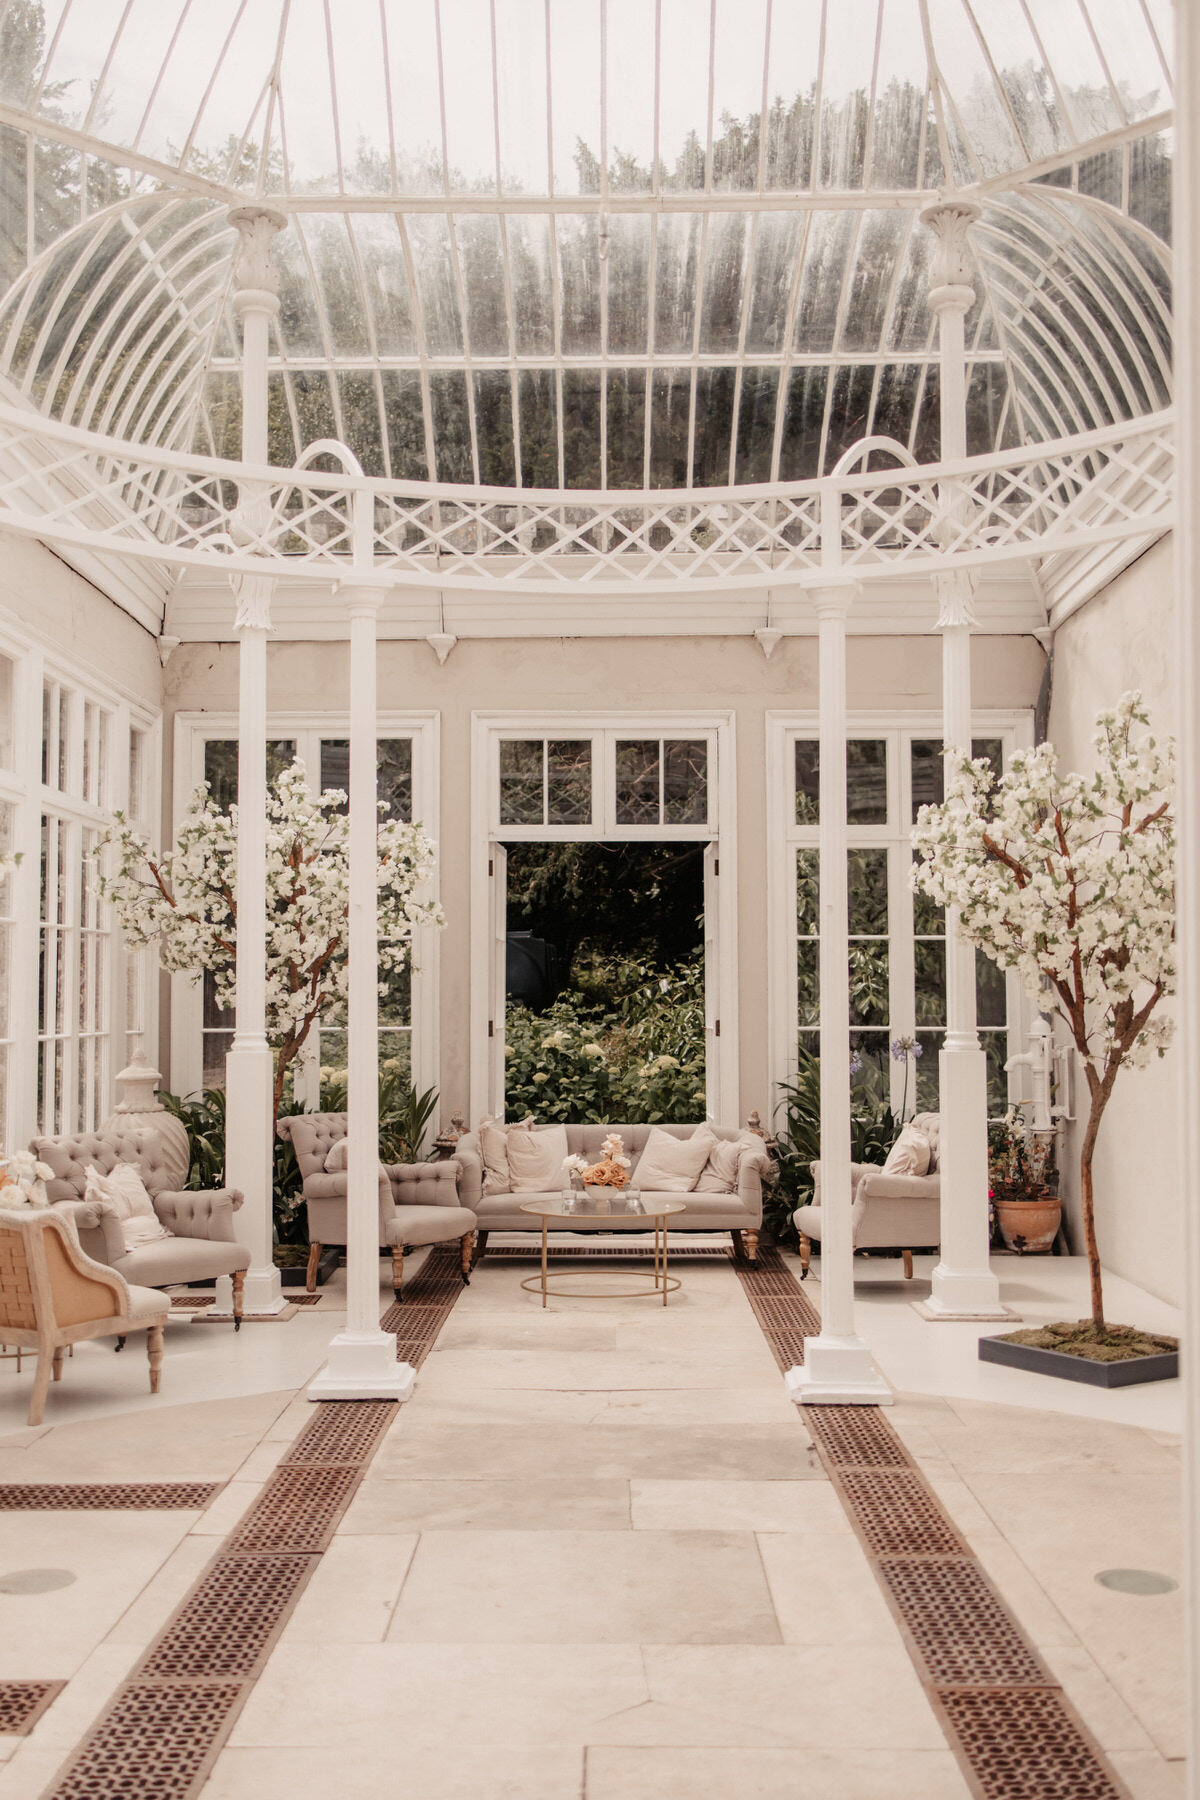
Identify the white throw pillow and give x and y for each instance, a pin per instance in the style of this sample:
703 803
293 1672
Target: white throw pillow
909 1155
337 1161
671 1165
720 1172
493 1147
125 1191
535 1158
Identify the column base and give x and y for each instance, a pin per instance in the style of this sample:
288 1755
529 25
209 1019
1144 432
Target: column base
363 1366
964 1294
837 1372
262 1295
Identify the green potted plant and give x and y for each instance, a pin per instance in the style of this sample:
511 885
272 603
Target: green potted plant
1023 1186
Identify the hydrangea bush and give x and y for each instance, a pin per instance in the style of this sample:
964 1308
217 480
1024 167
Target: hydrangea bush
184 902
1070 880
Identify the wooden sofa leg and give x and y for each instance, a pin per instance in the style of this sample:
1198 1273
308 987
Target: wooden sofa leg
481 1238
41 1386
907 1265
154 1350
398 1273
58 1362
805 1255
468 1247
750 1244
310 1275
739 1248
239 1283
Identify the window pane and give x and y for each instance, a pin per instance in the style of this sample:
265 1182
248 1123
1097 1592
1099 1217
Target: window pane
685 782
521 795
927 1070
808 799
569 781
870 1081
869 982
137 760
930 959
995 1043
866 873
394 772
929 919
807 981
808 873
395 1055
928 769
221 762
638 781
866 781
395 996
991 992
6 703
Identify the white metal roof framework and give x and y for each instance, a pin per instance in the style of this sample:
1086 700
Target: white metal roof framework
581 246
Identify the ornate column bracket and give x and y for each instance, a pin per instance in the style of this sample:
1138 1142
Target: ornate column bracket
956 599
252 596
951 275
255 278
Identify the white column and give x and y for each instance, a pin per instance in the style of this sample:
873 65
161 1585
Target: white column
362 1359
837 1368
963 1283
1186 229
249 1066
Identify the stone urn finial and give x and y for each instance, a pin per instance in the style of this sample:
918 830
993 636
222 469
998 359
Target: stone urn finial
141 1110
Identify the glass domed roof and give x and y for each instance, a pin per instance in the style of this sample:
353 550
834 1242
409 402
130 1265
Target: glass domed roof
624 243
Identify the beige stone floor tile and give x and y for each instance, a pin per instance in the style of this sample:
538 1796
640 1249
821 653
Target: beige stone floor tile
1035 1612
453 1771
113 1555
655 1723
601 1451
958 1498
771 1774
21 1440
204 1441
391 1697
563 1333
819 1696
144 1618
589 1369
822 1587
263 1460
225 1511
803 1506
987 1438
1149 1776
521 1407
1094 1698
28 1772
585 1588
353 1593
290 1422
761 1405
88 1691
384 1506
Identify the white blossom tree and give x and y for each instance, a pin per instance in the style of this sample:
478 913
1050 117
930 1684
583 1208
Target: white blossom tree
184 903
1070 880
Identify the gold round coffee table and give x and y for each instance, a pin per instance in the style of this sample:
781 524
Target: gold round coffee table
610 1209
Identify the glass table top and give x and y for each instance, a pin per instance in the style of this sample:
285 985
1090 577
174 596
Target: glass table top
625 1205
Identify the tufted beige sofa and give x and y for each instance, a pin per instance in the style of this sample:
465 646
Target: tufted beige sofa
204 1244
739 1212
894 1212
419 1203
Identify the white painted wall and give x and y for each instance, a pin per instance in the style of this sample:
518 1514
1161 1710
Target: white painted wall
63 611
650 674
1124 639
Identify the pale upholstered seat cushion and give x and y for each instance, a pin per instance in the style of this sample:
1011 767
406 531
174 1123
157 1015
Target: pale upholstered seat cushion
909 1155
124 1190
672 1165
178 1261
144 1302
535 1158
427 1224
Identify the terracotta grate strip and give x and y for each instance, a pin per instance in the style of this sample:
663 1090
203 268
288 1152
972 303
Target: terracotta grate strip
22 1704
193 1301
228 1624
294 1299
1006 1718
159 1736
107 1496
584 1252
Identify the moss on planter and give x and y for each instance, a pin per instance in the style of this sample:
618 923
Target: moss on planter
1117 1343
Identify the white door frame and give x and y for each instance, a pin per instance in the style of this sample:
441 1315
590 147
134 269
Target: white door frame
486 730
192 729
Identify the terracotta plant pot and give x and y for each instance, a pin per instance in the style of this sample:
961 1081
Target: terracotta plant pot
1029 1226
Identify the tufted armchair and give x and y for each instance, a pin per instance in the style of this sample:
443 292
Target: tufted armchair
204 1243
418 1202
898 1212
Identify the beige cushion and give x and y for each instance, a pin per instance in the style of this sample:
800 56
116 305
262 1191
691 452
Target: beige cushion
671 1165
125 1191
428 1224
493 1147
720 1173
535 1159
146 1302
909 1155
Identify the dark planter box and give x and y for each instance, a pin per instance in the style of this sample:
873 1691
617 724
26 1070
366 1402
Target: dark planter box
1077 1368
293 1274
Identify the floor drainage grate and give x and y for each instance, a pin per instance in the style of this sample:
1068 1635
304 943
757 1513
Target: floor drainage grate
230 1620
586 1253
141 1496
22 1704
1007 1720
342 1432
297 1511
855 1437
156 1742
193 1301
1026 1744
960 1626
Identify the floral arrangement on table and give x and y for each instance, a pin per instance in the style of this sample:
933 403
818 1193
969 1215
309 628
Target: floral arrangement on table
1070 880
23 1180
612 1170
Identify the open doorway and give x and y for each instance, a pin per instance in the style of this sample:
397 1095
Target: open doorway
605 999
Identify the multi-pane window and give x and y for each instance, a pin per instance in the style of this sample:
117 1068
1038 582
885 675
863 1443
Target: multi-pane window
545 781
662 781
605 782
897 938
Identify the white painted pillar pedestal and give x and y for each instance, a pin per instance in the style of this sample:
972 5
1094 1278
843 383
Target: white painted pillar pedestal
362 1359
964 1286
837 1368
1186 227
249 1066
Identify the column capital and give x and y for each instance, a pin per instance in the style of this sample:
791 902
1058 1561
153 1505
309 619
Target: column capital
951 274
834 602
253 594
255 278
956 597
363 596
